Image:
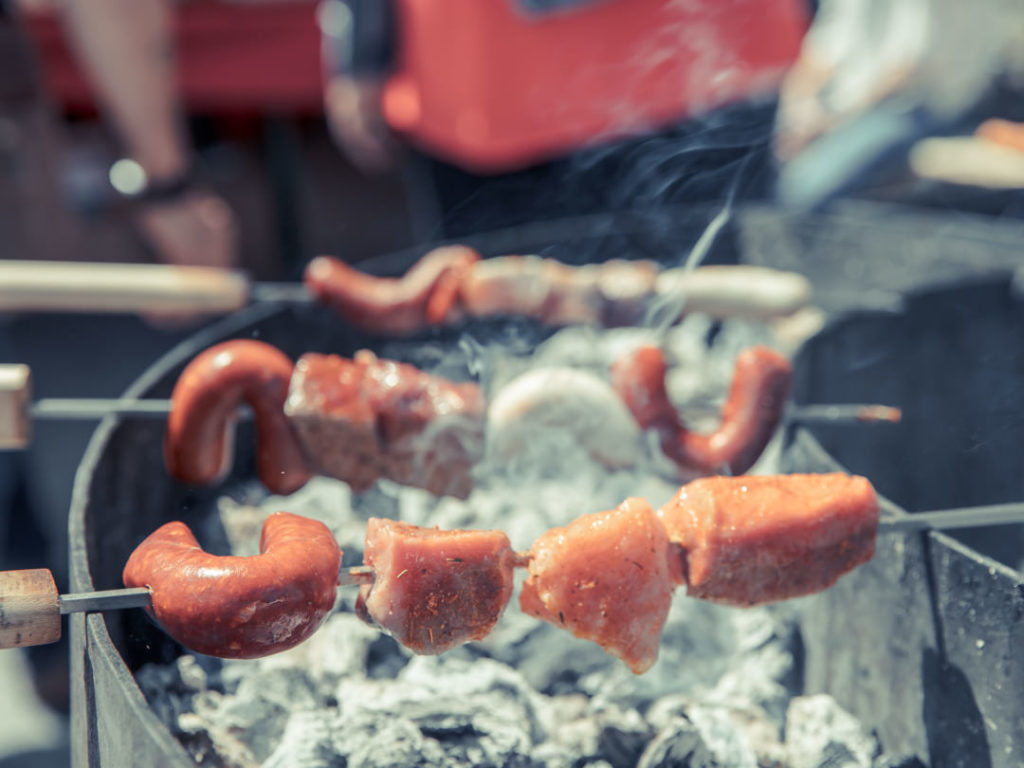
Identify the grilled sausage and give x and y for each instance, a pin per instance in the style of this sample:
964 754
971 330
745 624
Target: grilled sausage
200 428
760 388
427 295
240 607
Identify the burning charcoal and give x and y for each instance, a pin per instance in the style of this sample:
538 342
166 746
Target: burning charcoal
553 661
341 648
192 676
622 737
615 735
678 746
306 743
375 740
904 761
213 745
258 712
819 732
497 687
471 734
722 735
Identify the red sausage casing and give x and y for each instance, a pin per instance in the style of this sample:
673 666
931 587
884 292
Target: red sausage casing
427 295
761 383
240 607
751 540
199 441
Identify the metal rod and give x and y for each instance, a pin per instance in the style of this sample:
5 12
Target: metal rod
806 414
96 408
119 599
93 409
280 293
105 600
967 517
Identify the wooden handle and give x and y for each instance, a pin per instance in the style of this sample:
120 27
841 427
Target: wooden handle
15 400
29 608
58 286
757 293
968 160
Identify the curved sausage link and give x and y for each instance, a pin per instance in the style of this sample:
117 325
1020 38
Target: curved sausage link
240 607
427 295
200 429
760 388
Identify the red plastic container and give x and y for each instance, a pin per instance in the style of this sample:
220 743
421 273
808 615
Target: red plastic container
490 87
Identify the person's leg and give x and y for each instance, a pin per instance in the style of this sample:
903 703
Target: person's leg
127 49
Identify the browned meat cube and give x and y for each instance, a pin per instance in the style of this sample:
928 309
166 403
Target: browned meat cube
363 419
434 589
606 577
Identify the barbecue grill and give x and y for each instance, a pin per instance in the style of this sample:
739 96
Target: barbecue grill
926 642
896 642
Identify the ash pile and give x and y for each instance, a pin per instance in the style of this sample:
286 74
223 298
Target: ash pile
724 693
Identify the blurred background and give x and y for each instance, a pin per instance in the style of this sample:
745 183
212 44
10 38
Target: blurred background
257 134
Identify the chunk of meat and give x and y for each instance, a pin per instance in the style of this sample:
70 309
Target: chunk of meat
611 293
752 540
366 418
434 589
606 577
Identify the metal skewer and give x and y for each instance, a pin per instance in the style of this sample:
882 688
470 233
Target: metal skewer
948 519
139 597
865 414
31 606
98 408
968 517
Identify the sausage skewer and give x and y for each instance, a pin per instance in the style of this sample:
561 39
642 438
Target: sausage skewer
30 605
447 289
18 411
453 282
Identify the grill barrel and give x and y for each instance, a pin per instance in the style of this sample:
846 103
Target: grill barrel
896 642
926 643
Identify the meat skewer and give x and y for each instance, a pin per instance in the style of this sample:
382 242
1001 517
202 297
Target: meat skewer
366 418
452 283
446 284
692 540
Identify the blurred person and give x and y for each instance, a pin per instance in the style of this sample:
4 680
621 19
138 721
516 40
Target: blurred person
874 77
126 48
717 155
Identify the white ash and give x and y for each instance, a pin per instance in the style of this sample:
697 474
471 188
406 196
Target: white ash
530 694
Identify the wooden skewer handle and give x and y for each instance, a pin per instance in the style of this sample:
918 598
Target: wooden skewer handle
94 288
29 608
722 292
15 402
